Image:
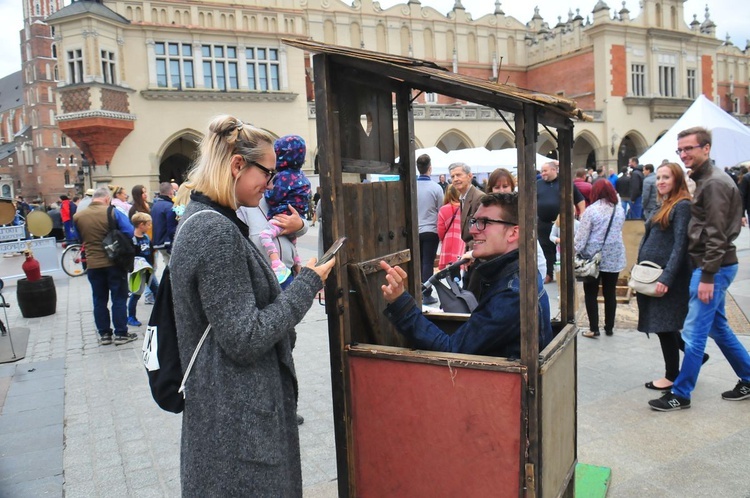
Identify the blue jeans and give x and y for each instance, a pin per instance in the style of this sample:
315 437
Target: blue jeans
153 287
636 209
709 320
625 207
105 282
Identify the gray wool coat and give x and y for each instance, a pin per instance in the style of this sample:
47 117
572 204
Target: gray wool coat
239 427
667 248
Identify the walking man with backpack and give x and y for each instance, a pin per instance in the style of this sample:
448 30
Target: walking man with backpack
106 278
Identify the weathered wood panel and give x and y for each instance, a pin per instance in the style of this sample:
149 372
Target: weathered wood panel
558 399
428 430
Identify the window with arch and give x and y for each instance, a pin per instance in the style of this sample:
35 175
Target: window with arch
6 190
51 117
329 32
355 35
380 37
54 51
405 40
66 175
48 71
471 41
429 44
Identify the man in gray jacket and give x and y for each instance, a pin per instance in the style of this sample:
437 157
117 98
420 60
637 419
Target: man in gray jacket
716 213
429 200
650 203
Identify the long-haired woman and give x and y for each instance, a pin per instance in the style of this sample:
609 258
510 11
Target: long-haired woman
590 239
449 228
239 426
665 243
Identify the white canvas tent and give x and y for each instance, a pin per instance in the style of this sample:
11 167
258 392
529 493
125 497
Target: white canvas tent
482 160
731 139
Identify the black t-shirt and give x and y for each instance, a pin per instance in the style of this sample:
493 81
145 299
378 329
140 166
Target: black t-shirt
548 199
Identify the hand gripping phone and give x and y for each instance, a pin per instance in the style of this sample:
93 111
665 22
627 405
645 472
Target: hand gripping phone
331 252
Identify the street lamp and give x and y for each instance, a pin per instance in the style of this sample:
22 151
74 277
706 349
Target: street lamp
86 167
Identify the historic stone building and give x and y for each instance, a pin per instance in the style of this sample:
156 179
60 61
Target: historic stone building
36 159
139 80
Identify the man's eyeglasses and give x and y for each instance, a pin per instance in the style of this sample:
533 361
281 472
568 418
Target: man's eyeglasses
688 148
481 223
270 174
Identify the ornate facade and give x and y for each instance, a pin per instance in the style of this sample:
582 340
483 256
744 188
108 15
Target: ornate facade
40 162
140 80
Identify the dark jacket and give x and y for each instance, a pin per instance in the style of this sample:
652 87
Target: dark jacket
716 220
494 328
636 183
239 427
745 191
623 187
164 220
667 247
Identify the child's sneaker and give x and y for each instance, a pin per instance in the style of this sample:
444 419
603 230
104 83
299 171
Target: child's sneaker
281 271
133 322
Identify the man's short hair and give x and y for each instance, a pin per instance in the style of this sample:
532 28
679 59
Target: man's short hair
165 188
423 164
634 159
648 167
101 193
553 163
701 134
508 203
465 167
580 173
139 217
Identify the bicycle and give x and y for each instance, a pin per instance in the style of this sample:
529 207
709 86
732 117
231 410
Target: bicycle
73 260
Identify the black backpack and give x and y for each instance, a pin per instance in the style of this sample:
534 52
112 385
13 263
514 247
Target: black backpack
164 371
118 246
161 355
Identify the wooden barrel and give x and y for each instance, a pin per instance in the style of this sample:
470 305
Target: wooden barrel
37 298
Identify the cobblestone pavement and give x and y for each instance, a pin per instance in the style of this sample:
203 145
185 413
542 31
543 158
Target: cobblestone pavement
76 418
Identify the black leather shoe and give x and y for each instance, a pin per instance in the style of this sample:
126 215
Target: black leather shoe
650 385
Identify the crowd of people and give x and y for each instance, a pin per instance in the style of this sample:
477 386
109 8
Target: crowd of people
691 220
229 235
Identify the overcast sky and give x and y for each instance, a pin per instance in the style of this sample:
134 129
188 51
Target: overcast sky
730 16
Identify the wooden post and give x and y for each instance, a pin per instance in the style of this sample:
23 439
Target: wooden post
331 182
525 142
567 282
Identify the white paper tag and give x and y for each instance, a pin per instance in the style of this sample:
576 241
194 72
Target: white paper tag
150 349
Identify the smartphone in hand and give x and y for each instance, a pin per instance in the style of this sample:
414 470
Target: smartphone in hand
331 252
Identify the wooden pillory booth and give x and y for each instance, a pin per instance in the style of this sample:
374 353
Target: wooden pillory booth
421 423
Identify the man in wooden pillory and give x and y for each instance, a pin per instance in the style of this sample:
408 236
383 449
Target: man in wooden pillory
494 327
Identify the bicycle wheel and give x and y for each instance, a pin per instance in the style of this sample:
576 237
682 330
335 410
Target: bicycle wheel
72 261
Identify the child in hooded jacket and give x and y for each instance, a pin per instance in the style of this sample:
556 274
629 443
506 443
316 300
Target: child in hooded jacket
290 188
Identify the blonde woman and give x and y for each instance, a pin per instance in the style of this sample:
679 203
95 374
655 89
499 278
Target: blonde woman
239 427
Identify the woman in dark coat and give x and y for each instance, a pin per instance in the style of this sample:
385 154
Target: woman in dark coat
239 427
665 243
